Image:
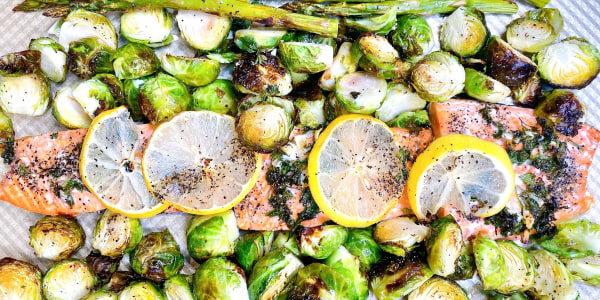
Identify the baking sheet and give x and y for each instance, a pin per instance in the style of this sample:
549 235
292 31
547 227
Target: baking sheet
582 19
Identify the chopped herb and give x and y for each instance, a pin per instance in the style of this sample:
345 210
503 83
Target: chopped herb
507 222
311 209
8 151
54 135
64 191
22 169
283 171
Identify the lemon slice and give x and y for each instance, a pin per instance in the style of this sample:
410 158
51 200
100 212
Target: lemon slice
110 165
354 170
196 163
473 175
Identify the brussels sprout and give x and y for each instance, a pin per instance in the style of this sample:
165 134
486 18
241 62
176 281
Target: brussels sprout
483 87
103 266
131 89
266 125
210 236
411 120
335 108
444 246
191 71
83 24
218 278
27 94
150 26
578 238
305 57
178 287
68 279
465 267
586 269
399 235
307 37
398 99
507 65
438 77
251 247
224 58
321 241
491 267
413 37
439 288
521 268
101 295
562 110
201 30
162 97
536 30
311 114
360 242
53 58
142 290
273 274
94 96
464 32
67 111
156 256
119 280
553 280
381 24
287 240
261 74
360 92
380 57
115 86
7 138
492 295
218 96
394 277
527 93
318 281
135 60
577 67
56 237
116 234
20 280
259 38
20 63
344 62
89 56
349 267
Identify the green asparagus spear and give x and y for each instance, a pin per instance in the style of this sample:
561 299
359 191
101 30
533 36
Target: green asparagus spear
538 3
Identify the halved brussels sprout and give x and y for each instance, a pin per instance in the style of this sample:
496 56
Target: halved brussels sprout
562 110
213 235
380 57
94 96
398 99
578 238
360 242
305 57
20 280
53 62
150 26
444 246
7 138
224 58
119 280
413 37
116 234
135 60
349 267
344 62
411 120
439 288
101 295
67 111
251 247
491 267
287 240
142 290
218 278
536 30
465 267
27 94
521 268
68 279
307 37
131 89
218 96
321 241
586 269
20 63
115 86
259 38
527 93
464 32
83 24
162 97
318 281
201 30
103 266
266 125
311 113
56 237
156 256
261 74
493 295
507 65
483 87
553 280
438 77
360 92
381 24
177 287
572 63
273 274
394 277
335 108
89 56
190 70
399 235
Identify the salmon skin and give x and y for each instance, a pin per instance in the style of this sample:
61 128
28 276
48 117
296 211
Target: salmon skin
554 172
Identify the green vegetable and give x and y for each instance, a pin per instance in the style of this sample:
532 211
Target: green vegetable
135 60
562 110
396 277
287 240
305 57
321 241
507 65
201 30
27 94
261 74
115 234
349 267
251 247
483 87
67 111
156 256
411 120
439 288
536 30
360 243
56 237
259 38
380 24
142 290
586 269
267 124
578 238
360 92
7 138
553 280
464 32
318 281
344 62
444 246
68 279
521 268
83 24
103 266
131 89
380 57
53 61
89 56
211 236
438 77
150 26
178 287
101 295
413 37
162 97
20 280
218 96
191 71
273 275
94 96
398 99
218 278
491 265
465 267
527 93
311 113
399 235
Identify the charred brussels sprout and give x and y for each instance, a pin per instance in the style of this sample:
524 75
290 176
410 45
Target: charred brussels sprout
311 113
191 71
101 295
562 110
178 287
201 30
553 280
438 77
413 37
119 280
94 96
483 87
507 65
521 268
572 63
577 238
56 237
344 62
321 241
251 247
287 240
536 30
89 56
20 63
491 267
444 246
210 236
261 74
135 60
349 267
150 26
380 57
7 138
68 279
218 96
411 120
162 97
115 86
131 89
305 57
259 38
27 94
20 280
156 256
381 24
67 111
394 277
360 242
266 125
527 93
142 290
399 235
360 92
115 234
586 269
53 61
83 24
464 32
318 281
273 274
218 278
465 267
103 266
439 288
398 99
